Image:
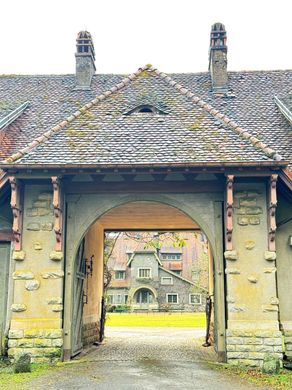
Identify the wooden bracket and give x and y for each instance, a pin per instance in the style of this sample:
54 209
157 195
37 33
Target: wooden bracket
272 212
16 206
58 211
229 212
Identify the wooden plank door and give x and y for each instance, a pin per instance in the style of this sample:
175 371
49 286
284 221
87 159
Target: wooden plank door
78 296
4 273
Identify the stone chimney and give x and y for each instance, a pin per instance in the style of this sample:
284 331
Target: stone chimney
85 57
218 58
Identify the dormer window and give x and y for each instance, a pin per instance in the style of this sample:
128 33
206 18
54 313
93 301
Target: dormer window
146 109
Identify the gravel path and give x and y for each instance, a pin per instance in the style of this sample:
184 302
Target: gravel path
143 359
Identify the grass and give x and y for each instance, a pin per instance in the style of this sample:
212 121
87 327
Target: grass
11 381
160 320
281 381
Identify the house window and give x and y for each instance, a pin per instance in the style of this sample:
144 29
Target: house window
172 298
110 299
126 298
118 298
164 257
120 275
178 257
144 273
195 299
175 271
166 280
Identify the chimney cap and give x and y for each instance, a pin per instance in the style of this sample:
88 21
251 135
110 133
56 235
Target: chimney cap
218 37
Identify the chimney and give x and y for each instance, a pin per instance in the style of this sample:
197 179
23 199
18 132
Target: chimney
85 57
218 58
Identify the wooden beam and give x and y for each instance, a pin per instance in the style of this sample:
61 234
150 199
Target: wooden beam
151 186
272 212
16 206
229 212
58 211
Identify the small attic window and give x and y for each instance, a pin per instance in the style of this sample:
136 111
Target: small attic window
148 109
145 109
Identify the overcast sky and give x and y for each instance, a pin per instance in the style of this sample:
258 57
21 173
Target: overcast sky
38 36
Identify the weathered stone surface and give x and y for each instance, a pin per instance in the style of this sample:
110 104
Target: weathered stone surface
274 301
53 274
253 210
253 340
42 211
57 308
242 221
250 202
15 334
55 301
37 246
50 352
273 341
32 285
254 220
241 211
57 342
230 255
252 279
244 363
270 270
249 244
56 256
270 256
12 343
32 212
23 363
34 226
268 308
264 348
43 333
22 275
18 307
48 196
232 271
230 299
235 309
235 340
18 255
47 226
271 364
41 204
245 348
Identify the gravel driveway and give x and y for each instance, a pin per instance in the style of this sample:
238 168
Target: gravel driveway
143 359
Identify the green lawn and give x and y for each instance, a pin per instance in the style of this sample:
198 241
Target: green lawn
161 320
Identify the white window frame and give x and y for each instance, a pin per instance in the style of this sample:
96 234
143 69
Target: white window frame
124 275
172 303
145 268
110 299
118 301
190 299
166 277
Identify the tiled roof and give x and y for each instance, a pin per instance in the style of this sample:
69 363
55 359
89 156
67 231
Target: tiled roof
190 131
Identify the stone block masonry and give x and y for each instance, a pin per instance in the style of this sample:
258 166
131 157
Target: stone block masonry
43 345
288 344
248 348
90 333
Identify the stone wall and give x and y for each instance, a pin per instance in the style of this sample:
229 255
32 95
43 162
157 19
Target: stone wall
252 301
36 310
249 347
90 333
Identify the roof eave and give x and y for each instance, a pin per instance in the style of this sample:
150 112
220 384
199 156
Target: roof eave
231 164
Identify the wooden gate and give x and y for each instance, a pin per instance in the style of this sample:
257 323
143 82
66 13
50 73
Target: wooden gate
78 297
4 273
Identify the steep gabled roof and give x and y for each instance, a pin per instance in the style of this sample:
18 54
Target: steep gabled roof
145 251
182 278
192 132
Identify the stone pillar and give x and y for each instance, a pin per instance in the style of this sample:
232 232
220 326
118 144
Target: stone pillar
252 302
36 311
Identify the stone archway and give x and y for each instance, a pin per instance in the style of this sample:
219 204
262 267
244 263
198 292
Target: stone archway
89 212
